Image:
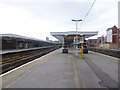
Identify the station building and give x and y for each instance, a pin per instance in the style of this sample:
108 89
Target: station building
13 41
69 38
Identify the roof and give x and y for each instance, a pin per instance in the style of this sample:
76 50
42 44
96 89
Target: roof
23 37
17 36
109 29
74 33
112 28
60 35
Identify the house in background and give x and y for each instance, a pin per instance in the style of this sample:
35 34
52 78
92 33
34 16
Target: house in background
113 35
92 42
111 40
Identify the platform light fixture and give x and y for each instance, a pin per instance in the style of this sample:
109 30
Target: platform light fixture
76 35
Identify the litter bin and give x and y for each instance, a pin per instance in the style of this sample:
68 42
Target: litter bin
65 50
85 51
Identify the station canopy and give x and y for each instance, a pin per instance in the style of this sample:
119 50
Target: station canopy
71 34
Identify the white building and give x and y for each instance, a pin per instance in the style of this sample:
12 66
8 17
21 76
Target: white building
109 34
119 14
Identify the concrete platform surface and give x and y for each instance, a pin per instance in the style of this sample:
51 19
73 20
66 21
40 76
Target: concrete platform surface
54 70
105 67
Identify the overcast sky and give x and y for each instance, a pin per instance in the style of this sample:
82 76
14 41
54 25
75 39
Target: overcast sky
37 18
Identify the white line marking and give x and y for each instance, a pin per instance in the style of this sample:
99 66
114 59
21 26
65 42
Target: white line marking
25 74
22 66
41 61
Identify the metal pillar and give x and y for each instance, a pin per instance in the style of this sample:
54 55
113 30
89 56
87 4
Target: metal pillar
76 48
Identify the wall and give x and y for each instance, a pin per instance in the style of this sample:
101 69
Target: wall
107 46
114 34
8 44
110 46
114 45
0 43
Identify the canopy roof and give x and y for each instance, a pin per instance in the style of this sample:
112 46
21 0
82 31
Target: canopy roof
61 35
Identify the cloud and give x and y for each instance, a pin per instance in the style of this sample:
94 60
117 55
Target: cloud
103 15
32 1
16 20
37 18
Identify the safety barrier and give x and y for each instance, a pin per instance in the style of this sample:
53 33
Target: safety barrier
110 52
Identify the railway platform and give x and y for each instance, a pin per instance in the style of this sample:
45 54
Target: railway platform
58 70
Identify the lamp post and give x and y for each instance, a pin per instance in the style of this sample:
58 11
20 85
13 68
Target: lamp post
76 35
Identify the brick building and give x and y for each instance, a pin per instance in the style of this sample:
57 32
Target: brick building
113 35
92 42
118 35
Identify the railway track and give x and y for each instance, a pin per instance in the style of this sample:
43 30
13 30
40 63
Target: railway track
12 59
